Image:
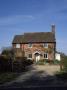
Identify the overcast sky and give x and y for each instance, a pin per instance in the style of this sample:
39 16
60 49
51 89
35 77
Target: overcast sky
19 16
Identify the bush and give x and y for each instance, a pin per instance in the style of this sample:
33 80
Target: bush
5 64
41 62
20 63
24 60
28 62
64 63
6 60
17 66
8 53
56 62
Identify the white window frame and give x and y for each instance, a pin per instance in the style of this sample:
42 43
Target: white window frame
45 45
17 45
29 45
47 55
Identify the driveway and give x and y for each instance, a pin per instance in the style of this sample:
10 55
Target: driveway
37 76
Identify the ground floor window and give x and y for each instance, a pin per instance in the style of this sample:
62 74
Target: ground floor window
46 55
30 56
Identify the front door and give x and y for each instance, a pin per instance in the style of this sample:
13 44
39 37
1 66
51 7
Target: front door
37 58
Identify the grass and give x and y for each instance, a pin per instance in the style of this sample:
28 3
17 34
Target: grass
7 76
62 76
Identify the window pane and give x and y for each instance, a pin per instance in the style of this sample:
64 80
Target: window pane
30 55
17 45
30 45
45 45
46 55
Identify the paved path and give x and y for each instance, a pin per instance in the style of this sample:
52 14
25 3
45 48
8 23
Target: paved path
37 76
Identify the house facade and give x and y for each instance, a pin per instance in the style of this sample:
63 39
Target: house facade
36 45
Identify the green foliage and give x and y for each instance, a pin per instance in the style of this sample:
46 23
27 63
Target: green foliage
9 64
8 53
5 77
24 60
64 63
61 76
5 64
56 62
20 63
41 62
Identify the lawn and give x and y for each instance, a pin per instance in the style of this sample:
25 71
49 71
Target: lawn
7 76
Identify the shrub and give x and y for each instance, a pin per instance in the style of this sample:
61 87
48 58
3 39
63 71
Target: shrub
41 62
64 63
17 66
8 53
8 63
6 60
28 62
5 64
24 60
56 62
20 63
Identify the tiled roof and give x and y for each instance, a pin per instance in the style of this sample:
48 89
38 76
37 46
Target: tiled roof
34 37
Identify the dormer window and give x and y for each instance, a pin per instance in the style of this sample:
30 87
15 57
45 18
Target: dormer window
30 45
17 45
45 45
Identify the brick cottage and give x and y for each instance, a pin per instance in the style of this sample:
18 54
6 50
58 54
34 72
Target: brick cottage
36 45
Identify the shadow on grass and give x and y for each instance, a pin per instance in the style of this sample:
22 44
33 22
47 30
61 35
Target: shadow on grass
40 79
62 76
36 80
10 76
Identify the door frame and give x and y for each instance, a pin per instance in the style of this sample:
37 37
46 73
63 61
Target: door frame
38 55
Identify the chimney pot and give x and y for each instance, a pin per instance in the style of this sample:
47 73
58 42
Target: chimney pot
53 28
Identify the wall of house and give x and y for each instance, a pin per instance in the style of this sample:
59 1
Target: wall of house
38 47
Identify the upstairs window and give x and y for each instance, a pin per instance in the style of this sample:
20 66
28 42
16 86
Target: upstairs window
46 55
30 45
45 45
17 45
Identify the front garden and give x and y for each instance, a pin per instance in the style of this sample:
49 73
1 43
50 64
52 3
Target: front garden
11 67
50 62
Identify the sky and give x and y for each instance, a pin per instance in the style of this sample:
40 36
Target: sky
19 16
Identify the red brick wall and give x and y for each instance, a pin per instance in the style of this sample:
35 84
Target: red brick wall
37 47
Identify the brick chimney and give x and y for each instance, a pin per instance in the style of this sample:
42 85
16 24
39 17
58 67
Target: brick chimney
53 28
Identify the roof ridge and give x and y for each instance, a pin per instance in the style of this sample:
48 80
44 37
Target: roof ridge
36 33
